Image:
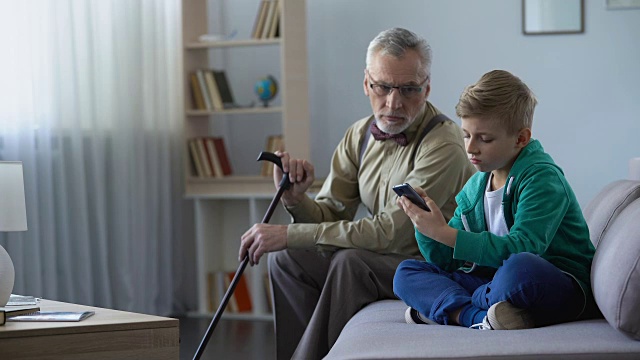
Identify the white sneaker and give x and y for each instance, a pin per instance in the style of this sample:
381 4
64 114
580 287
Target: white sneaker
484 325
504 316
413 316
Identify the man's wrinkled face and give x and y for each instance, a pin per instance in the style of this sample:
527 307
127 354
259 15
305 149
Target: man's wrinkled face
397 89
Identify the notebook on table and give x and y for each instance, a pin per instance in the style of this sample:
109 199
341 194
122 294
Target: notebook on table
53 316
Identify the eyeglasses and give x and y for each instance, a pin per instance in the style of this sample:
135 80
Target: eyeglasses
407 91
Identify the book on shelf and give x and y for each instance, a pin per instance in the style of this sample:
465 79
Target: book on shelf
215 290
202 83
195 157
211 90
7 312
53 316
275 22
224 87
258 20
214 92
218 283
221 151
198 99
241 300
204 156
208 157
214 157
261 16
211 292
192 171
219 288
267 20
266 27
274 143
232 305
241 295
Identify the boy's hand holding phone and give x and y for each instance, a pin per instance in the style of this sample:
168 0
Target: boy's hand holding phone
429 223
411 194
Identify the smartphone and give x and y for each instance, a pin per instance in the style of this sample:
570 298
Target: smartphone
406 190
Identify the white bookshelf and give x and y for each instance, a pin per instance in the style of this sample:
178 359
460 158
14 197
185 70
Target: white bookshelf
226 207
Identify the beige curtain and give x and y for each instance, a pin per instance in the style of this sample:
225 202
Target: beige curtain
89 102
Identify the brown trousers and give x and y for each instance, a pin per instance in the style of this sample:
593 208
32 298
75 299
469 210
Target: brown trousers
315 296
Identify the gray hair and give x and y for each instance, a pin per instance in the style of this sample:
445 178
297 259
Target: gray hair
396 42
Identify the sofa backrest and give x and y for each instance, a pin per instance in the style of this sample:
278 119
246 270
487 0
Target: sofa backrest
607 205
614 223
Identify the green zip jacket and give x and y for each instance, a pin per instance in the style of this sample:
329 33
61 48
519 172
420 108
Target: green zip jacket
541 213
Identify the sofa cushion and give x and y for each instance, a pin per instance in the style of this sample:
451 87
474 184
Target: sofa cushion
379 331
615 272
609 202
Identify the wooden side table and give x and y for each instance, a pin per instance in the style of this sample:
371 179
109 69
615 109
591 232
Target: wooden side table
109 334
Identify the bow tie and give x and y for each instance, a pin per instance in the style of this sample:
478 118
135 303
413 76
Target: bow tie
380 135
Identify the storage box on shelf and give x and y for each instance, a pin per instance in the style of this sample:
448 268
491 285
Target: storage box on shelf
225 207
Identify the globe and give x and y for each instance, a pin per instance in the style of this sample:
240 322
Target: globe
266 89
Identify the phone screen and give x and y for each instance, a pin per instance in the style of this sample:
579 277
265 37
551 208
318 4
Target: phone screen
408 191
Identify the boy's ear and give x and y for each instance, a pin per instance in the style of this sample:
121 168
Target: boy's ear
524 135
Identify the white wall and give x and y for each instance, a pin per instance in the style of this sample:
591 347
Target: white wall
588 85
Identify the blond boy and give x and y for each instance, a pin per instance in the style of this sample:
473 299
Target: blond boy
516 253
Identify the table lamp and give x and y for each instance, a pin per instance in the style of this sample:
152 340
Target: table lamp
13 217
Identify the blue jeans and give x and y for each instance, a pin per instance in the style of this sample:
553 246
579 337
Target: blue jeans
525 280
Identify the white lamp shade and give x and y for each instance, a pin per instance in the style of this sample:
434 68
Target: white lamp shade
13 211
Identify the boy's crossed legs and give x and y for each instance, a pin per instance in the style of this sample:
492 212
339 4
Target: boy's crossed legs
525 280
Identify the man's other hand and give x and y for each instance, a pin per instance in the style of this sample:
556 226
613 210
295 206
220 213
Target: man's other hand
261 239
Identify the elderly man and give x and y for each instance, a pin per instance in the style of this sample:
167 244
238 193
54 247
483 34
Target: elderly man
326 266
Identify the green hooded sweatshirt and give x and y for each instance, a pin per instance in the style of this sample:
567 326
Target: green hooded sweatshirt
541 213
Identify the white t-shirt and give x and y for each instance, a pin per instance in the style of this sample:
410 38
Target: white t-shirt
493 211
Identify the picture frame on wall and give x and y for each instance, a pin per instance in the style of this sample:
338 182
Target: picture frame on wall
544 17
622 4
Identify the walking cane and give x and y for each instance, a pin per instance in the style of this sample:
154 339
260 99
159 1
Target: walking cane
284 185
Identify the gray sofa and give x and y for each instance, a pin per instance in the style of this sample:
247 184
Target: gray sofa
379 331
